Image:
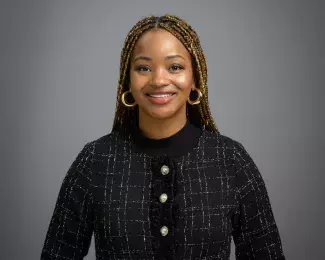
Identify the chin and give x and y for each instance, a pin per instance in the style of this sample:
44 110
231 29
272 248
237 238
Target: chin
162 113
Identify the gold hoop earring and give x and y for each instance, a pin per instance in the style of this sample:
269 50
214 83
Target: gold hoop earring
197 100
124 101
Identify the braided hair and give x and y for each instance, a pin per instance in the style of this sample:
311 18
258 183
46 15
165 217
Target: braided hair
198 114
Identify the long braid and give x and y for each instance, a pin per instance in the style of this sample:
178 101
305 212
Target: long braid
184 33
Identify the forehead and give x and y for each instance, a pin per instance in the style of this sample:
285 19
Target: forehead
159 41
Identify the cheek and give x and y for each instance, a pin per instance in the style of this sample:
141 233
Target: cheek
136 85
184 82
136 82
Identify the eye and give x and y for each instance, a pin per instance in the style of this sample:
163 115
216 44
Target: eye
142 68
175 67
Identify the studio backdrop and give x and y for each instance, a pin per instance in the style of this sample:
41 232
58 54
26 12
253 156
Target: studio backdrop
59 68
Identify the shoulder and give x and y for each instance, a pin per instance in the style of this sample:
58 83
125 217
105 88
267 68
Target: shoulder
231 152
228 145
106 143
226 148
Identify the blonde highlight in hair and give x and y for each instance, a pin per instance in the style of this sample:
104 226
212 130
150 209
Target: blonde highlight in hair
198 114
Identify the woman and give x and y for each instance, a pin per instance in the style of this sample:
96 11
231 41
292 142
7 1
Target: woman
164 184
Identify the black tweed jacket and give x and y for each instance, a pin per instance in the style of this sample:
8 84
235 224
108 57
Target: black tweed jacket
183 197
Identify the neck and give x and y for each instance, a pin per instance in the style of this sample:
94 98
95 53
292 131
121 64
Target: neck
156 128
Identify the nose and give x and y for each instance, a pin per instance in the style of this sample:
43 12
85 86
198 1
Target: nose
159 78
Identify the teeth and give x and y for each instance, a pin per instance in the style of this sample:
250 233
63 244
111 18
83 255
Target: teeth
161 95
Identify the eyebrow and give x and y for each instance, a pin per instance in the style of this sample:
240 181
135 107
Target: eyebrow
142 58
169 57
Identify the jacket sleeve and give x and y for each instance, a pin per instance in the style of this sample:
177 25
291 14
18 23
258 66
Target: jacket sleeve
255 232
70 230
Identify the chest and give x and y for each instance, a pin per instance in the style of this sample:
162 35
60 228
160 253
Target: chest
143 202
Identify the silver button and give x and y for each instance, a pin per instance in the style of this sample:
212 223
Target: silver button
164 170
164 231
163 198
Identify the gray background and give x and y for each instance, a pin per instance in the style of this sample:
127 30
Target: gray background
59 68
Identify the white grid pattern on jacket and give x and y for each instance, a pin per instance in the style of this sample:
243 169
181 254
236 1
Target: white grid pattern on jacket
108 190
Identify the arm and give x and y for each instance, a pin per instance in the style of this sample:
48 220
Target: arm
70 230
255 232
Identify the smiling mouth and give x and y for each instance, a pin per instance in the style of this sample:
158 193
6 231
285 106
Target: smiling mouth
161 99
160 95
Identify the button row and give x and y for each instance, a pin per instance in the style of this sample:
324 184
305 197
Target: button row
163 198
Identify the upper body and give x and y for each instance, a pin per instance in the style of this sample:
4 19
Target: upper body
114 189
164 184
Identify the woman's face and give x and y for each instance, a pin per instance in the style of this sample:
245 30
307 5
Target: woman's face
161 75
